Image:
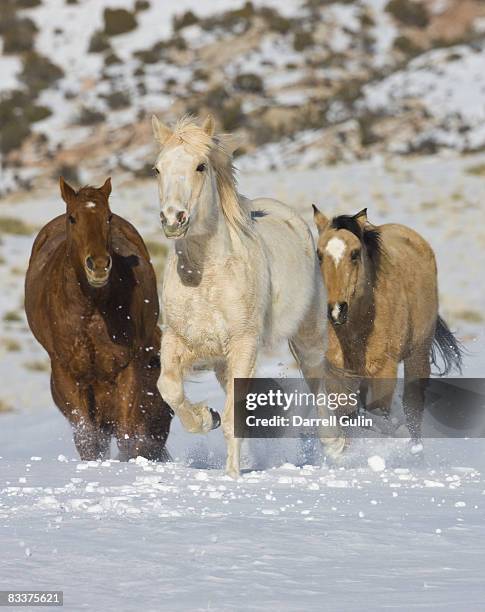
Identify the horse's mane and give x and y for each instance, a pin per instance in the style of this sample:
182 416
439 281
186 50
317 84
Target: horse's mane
370 237
197 141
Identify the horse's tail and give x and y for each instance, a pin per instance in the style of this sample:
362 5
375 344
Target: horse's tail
447 348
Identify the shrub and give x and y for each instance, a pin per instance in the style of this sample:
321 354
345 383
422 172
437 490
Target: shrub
231 115
230 19
117 100
38 72
367 135
409 12
249 82
99 42
141 5
37 113
118 21
90 116
25 3
13 134
153 54
18 34
184 21
275 21
302 40
69 172
215 97
17 112
111 59
406 46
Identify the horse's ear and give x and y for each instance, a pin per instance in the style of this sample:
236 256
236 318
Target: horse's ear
106 188
209 125
320 219
67 192
361 217
160 130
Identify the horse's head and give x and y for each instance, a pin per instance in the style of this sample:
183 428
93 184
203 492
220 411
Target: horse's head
348 249
185 174
88 230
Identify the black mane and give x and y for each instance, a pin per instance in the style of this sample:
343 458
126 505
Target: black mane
370 238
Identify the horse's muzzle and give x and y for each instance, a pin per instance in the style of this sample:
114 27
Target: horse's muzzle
178 228
337 312
96 275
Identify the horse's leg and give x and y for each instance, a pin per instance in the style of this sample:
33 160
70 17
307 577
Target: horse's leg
220 370
381 389
77 404
308 346
241 362
416 374
176 358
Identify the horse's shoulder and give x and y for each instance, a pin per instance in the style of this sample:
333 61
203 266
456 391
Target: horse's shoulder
51 234
126 239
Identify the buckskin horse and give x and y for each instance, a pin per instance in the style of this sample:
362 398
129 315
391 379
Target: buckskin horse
383 309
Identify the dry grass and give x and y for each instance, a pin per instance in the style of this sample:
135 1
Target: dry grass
4 406
478 170
10 344
470 316
12 225
12 316
37 365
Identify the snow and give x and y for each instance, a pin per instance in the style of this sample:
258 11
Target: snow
291 533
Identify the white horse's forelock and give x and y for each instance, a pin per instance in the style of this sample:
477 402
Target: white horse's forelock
198 143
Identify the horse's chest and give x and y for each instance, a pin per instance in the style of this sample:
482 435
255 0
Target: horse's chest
196 318
93 350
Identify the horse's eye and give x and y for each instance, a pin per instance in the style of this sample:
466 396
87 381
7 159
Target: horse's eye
201 168
355 255
109 218
157 171
72 219
319 255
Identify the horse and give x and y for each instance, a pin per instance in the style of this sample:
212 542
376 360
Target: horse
243 274
91 301
383 310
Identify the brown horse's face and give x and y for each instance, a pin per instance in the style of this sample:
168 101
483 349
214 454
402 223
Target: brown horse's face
88 229
343 264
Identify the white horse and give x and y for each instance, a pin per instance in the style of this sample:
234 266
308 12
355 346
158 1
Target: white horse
243 274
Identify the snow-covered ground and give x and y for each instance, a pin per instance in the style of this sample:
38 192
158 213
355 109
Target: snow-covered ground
288 535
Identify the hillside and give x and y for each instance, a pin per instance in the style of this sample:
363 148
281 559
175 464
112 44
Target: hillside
299 83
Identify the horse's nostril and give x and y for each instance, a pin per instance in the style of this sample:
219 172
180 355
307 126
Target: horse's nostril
181 216
90 263
163 218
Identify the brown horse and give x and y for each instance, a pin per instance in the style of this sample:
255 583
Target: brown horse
383 309
91 301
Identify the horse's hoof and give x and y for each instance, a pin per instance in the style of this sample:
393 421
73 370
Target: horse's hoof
216 419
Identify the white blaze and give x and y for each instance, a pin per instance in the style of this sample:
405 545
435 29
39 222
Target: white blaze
336 248
91 205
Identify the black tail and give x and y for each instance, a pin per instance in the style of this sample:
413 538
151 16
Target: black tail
447 348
